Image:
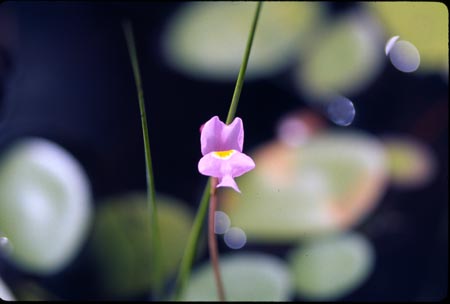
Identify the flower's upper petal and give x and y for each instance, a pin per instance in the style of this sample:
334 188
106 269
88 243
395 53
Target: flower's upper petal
210 137
228 181
217 136
233 136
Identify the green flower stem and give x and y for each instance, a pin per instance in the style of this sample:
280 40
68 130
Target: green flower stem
156 263
189 252
240 79
188 257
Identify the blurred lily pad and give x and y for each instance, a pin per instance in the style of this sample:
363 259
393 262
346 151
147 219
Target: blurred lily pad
32 291
45 205
121 241
411 163
207 39
329 183
424 24
345 57
332 267
246 277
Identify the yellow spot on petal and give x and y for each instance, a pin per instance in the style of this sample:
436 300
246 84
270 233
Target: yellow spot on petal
223 154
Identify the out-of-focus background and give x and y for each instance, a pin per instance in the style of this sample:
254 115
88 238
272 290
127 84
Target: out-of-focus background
345 110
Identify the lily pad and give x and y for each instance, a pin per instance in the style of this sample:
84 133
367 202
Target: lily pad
327 184
27 290
45 205
121 242
411 163
343 59
246 277
330 268
208 39
424 24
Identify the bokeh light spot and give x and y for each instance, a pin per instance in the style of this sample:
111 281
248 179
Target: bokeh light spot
235 238
390 44
221 222
341 111
404 56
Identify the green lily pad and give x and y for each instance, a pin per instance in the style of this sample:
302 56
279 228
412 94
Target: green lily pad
208 39
424 24
411 163
245 276
343 59
121 242
330 268
31 291
327 184
45 205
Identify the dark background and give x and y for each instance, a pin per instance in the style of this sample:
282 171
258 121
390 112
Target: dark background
67 77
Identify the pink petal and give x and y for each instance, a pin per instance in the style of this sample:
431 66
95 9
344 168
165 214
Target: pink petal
211 166
240 163
228 181
233 136
211 135
217 136
224 169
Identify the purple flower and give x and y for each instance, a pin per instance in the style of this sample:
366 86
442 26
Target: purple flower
222 152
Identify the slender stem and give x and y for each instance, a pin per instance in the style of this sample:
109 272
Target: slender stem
188 257
212 242
189 253
128 30
240 79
